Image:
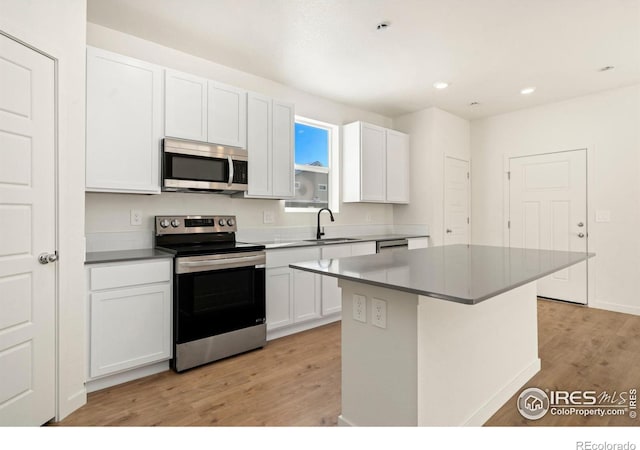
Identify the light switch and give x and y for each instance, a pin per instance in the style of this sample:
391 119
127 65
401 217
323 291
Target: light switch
603 216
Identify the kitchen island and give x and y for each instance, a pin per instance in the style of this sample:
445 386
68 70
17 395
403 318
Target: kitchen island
439 336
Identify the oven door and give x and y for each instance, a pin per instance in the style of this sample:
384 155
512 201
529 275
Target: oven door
216 294
207 170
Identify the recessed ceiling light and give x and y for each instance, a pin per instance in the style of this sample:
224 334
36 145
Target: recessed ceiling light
474 103
606 68
528 90
383 25
440 85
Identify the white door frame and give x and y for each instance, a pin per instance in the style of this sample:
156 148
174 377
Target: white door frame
55 219
591 241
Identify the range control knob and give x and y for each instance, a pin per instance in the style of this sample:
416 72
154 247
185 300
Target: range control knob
221 222
175 223
231 222
164 223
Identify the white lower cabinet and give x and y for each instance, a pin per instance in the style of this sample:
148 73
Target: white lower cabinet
129 317
331 294
298 300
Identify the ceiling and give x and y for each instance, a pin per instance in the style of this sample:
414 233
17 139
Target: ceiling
487 50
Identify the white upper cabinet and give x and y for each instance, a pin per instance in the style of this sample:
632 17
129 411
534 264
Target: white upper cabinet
203 110
186 106
227 115
375 164
397 167
270 145
124 123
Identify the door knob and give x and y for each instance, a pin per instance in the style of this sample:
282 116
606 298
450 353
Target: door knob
580 235
580 224
449 230
46 258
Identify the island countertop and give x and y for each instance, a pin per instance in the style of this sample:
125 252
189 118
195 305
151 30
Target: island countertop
465 274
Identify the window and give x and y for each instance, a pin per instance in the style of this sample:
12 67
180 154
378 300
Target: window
316 168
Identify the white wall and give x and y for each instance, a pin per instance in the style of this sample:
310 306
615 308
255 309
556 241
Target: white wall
58 29
110 212
434 134
608 125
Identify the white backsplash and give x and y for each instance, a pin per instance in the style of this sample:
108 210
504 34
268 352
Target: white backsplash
131 240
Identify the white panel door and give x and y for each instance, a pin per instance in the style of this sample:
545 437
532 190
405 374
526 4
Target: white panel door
27 228
185 106
283 148
456 201
397 167
227 115
259 142
373 174
548 210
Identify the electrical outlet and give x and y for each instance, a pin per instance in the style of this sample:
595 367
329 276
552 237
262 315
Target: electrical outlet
136 217
367 218
360 308
267 217
379 313
603 216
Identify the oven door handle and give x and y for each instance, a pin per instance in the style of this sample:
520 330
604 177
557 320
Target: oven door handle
219 264
230 170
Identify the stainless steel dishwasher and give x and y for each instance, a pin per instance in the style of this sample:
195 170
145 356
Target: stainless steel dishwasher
383 246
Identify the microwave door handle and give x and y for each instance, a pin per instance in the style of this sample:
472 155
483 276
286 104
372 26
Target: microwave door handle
230 170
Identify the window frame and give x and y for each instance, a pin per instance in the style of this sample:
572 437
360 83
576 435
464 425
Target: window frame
333 170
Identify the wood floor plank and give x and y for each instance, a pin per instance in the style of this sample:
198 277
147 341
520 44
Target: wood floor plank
295 380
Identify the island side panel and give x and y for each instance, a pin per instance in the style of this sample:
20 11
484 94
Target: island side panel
473 358
379 365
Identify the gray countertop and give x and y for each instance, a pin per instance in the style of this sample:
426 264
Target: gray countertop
459 273
284 244
125 255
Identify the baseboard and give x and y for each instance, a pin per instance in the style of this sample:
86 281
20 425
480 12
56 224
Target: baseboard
635 310
298 327
123 377
496 402
342 422
72 403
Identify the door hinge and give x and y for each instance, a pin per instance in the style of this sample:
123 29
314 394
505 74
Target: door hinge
467 175
467 220
509 224
508 175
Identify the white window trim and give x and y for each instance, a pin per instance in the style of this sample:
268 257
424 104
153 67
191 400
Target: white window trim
334 165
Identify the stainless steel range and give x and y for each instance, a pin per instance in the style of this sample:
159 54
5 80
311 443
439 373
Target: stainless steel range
218 289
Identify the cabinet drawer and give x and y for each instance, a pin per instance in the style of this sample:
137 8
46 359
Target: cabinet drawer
280 258
363 248
123 275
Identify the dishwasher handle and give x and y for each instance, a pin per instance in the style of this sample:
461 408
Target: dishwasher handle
388 245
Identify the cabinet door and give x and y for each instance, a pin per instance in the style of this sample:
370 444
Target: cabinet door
227 117
130 327
124 123
397 167
259 131
306 295
331 293
186 106
372 163
283 148
279 295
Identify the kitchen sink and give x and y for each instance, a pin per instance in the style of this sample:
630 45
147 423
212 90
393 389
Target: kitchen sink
331 240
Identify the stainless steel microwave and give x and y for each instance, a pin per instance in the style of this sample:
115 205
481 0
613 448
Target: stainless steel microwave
199 167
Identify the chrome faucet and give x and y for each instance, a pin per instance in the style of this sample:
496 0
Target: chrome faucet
319 234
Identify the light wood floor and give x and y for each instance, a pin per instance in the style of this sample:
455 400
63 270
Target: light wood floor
295 381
